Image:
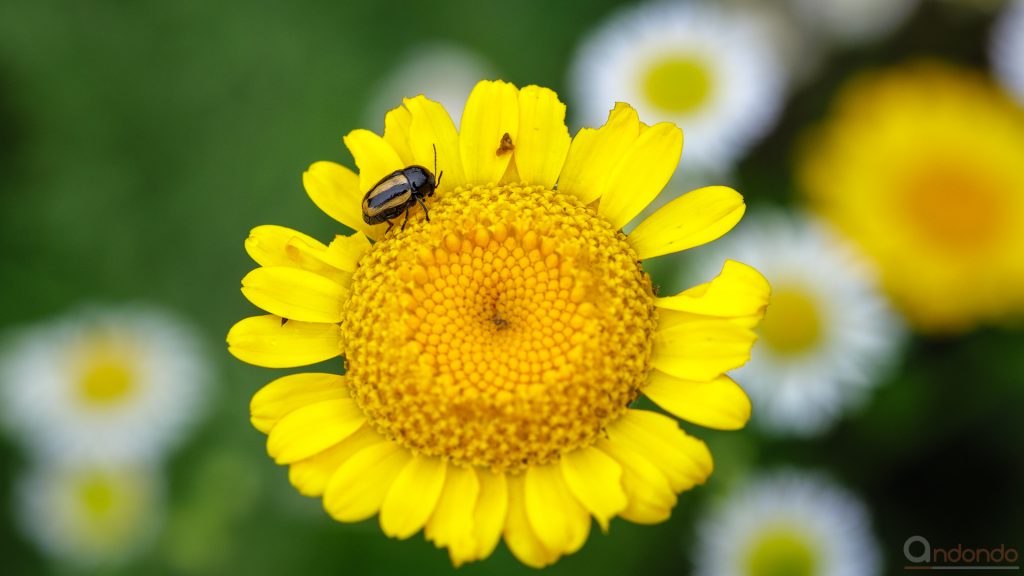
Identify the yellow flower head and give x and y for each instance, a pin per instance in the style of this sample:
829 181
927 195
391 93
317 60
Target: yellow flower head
492 352
921 166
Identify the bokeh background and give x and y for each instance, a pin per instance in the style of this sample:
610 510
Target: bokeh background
141 141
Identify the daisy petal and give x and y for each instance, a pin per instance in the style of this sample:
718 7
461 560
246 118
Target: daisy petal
543 138
451 524
650 497
489 516
397 124
683 459
412 497
641 174
335 189
557 518
491 112
520 537
295 294
595 479
693 219
701 349
432 126
269 245
272 342
737 291
358 488
374 157
313 429
344 252
310 475
719 403
593 154
288 393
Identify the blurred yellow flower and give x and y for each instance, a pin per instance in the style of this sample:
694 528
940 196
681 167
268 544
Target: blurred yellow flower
493 351
921 165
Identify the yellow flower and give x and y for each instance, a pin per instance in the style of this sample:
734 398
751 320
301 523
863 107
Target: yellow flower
921 166
492 353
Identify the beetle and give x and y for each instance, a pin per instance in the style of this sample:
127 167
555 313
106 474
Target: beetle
397 192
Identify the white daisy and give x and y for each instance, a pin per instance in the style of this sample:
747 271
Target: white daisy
1007 48
90 515
852 22
112 384
788 523
441 71
713 71
828 334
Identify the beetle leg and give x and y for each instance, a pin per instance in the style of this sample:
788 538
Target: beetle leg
390 226
425 212
406 221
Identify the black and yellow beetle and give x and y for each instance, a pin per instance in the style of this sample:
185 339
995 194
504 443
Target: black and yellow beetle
397 192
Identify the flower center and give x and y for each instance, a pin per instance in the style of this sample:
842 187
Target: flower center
792 324
782 554
955 207
97 496
680 84
106 378
509 330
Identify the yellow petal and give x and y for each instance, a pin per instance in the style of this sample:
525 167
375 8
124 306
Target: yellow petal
491 112
279 246
650 497
313 429
374 157
693 219
594 153
295 294
595 479
432 126
451 524
543 138
271 342
335 189
344 252
737 291
358 488
683 459
557 518
641 174
397 123
310 475
520 537
288 393
701 348
719 403
490 513
413 496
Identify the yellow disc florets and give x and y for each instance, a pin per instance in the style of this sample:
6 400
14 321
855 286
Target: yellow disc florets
510 329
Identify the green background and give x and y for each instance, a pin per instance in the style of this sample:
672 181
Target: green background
140 141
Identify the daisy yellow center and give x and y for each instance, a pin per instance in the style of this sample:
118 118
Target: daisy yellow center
105 379
96 495
955 207
792 324
782 554
510 329
678 83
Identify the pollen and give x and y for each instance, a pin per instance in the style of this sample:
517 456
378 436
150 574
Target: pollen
510 329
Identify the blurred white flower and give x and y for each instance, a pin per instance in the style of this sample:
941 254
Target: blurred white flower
828 335
852 22
712 70
103 384
1007 48
789 523
90 515
443 72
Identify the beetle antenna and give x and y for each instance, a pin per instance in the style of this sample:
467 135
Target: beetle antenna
435 158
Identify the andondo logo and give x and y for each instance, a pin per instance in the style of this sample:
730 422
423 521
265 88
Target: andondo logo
921 555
